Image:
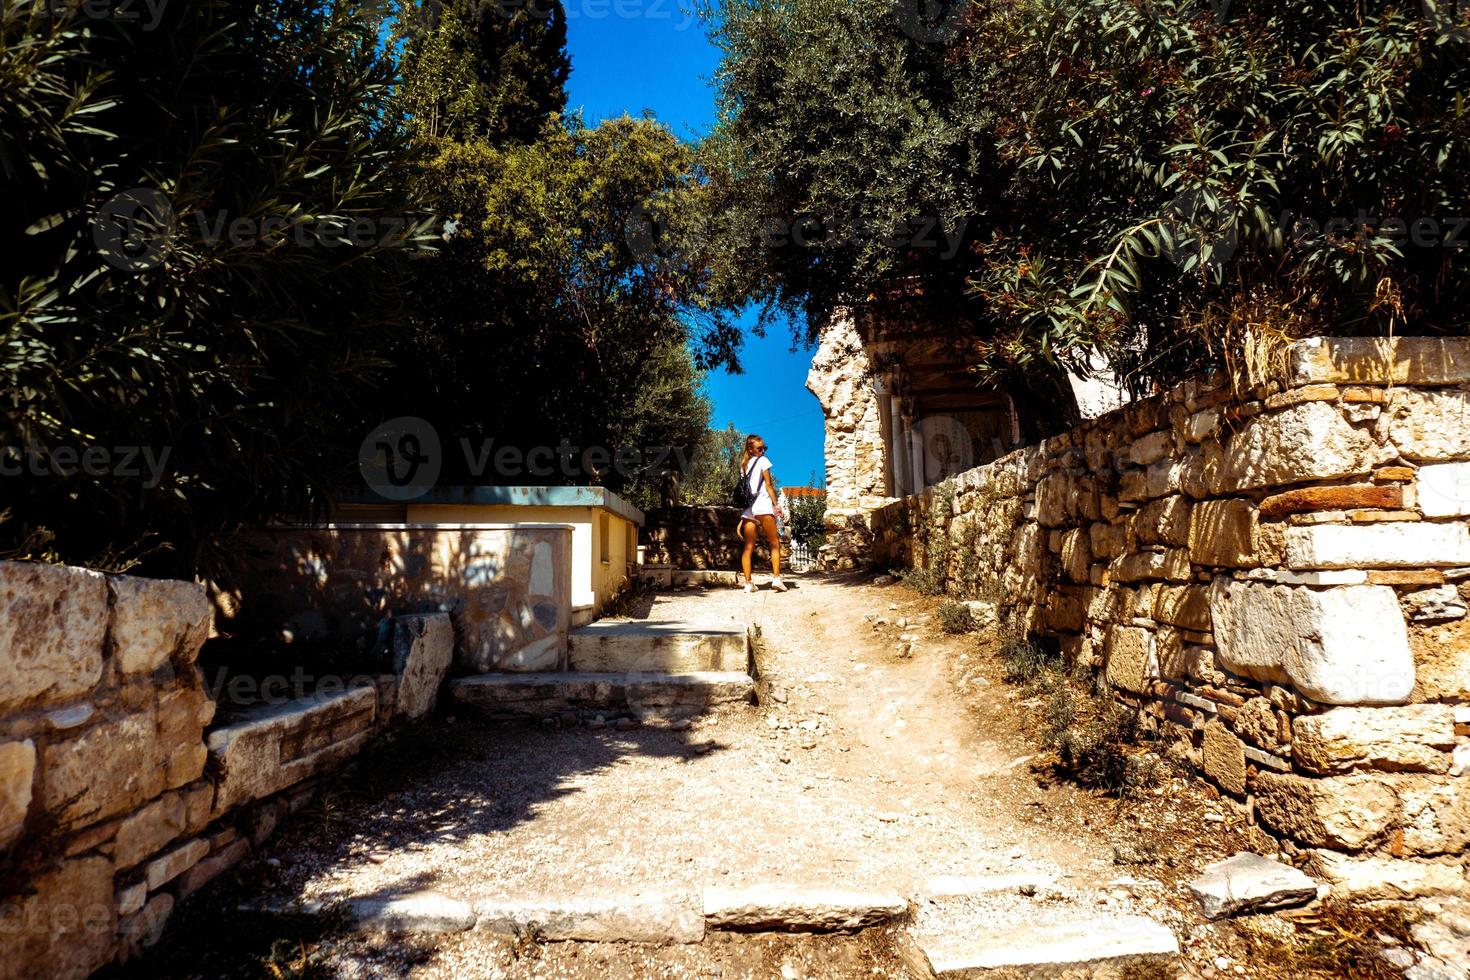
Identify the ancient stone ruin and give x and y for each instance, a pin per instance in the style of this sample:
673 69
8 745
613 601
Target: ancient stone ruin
1279 580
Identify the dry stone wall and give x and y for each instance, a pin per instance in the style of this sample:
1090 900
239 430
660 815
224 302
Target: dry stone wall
1280 583
115 804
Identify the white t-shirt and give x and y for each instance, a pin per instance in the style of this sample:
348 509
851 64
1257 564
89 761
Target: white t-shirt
757 479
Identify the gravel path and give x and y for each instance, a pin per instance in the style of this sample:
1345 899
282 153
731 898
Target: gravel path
870 775
863 768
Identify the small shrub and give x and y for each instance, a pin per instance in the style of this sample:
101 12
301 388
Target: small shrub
925 581
1025 660
1103 753
955 617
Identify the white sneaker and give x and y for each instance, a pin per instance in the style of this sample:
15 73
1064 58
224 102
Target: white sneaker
777 585
750 587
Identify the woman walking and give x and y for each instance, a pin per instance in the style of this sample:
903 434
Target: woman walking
761 513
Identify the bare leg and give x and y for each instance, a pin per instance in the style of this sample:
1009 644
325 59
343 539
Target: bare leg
773 538
747 533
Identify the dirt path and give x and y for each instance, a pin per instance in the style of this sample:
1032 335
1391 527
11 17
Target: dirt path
862 769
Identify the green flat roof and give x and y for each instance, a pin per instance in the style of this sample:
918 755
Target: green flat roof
512 496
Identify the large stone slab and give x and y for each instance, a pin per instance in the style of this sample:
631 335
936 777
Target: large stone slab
1045 950
1412 738
1444 489
641 646
52 623
1345 812
157 620
280 745
1431 426
1308 441
510 696
1395 544
1249 882
423 649
782 908
420 912
1224 533
1370 878
1346 646
632 918
1381 360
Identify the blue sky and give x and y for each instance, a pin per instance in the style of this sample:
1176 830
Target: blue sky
635 55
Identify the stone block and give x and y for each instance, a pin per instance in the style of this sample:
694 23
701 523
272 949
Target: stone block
1444 489
52 623
1223 533
632 918
1442 658
1163 521
1131 662
1257 722
155 621
1381 360
1345 812
1250 883
281 745
1310 441
1106 540
1392 545
1430 426
1435 605
17 773
1412 738
1054 496
782 908
1186 606
1076 555
1436 815
1386 879
132 898
1151 448
1309 393
1357 495
1171 566
1224 757
1343 645
162 870
111 769
1065 610
149 831
64 926
423 649
222 860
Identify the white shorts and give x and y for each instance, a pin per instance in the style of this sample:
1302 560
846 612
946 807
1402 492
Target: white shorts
760 508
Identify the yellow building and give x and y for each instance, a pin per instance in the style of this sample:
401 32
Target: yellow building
604 528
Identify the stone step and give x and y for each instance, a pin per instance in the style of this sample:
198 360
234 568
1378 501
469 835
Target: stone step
1090 947
662 696
642 646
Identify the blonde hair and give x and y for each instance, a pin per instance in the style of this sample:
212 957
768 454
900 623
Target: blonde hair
749 453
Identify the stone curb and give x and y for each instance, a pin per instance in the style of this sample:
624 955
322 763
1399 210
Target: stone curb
655 918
